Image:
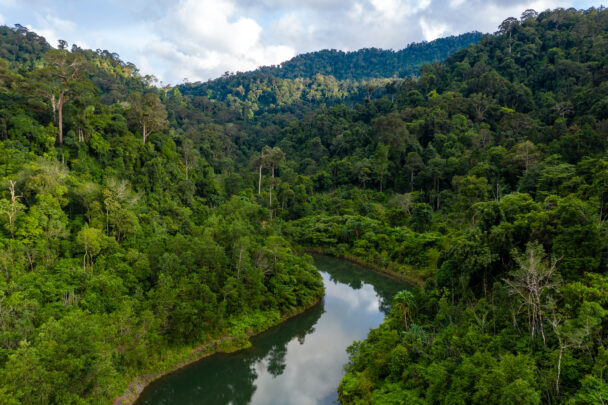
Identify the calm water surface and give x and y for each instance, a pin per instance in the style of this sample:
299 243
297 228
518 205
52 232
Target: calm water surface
300 361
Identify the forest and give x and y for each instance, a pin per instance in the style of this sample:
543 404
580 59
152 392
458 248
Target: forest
139 222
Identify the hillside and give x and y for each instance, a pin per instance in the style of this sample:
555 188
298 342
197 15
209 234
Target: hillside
496 166
327 77
140 223
370 63
120 251
21 48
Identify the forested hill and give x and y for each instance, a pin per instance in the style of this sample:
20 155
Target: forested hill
120 251
327 77
491 179
371 63
21 48
137 223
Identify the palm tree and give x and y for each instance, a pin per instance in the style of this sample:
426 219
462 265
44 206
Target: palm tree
406 300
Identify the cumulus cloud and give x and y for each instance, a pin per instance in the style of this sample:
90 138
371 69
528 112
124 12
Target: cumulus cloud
432 30
201 39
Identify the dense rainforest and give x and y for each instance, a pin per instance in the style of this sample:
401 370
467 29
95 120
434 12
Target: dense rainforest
120 251
370 63
134 235
497 158
327 77
139 222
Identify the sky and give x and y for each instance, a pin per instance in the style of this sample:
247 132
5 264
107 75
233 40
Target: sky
178 40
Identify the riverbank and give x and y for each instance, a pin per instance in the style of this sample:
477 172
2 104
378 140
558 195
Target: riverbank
238 337
411 278
238 340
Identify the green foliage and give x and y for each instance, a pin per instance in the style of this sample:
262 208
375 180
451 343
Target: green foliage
117 256
484 176
372 62
509 155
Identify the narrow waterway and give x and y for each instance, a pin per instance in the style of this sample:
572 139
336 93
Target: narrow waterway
299 362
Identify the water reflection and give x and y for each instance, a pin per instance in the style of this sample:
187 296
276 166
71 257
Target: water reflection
299 362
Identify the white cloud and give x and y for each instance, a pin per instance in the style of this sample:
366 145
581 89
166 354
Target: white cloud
456 3
53 28
1 19
292 28
432 30
202 39
398 9
58 23
356 11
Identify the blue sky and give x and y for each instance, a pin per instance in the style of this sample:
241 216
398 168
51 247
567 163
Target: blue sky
201 39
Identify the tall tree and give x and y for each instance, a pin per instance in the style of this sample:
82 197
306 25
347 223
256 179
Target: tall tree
257 161
273 157
147 112
61 80
529 13
11 208
525 154
507 27
190 156
413 163
531 282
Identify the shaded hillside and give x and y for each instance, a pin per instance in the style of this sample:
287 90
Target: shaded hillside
327 77
158 219
120 251
371 63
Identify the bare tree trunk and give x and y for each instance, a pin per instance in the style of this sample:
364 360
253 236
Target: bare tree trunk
60 117
412 181
270 194
260 181
12 214
144 132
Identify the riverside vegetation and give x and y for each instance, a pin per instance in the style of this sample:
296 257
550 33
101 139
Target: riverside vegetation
139 222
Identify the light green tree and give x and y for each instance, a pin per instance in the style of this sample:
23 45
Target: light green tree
147 112
90 240
405 299
60 80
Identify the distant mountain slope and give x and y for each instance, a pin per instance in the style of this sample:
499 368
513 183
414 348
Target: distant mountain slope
370 63
327 77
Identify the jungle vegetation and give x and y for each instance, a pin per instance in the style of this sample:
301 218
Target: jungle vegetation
138 220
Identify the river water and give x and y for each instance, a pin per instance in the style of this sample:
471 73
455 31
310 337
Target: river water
299 362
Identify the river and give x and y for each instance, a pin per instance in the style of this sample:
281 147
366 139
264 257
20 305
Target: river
299 362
